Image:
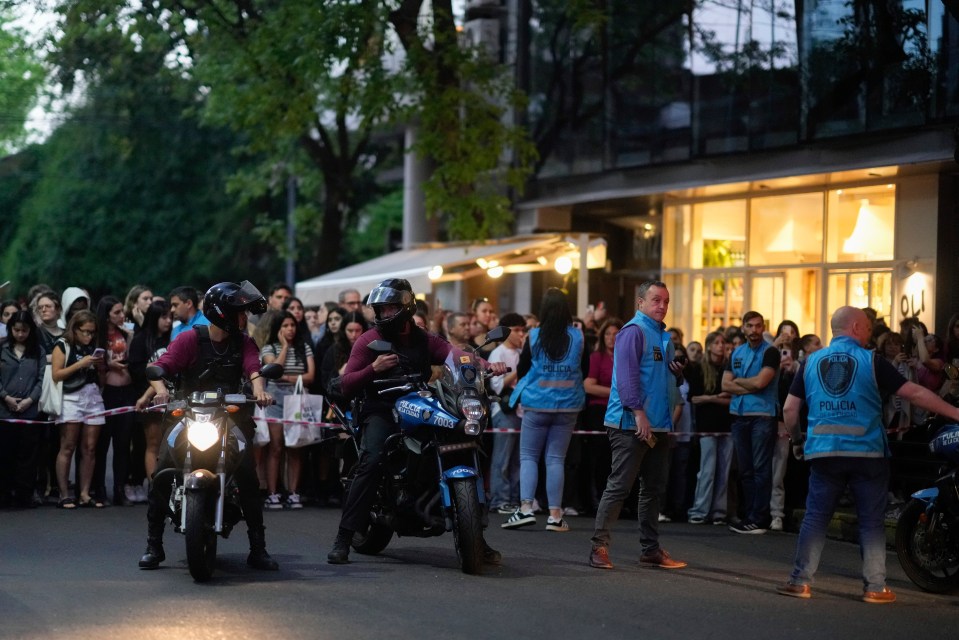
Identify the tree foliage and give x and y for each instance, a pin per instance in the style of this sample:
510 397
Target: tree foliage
20 76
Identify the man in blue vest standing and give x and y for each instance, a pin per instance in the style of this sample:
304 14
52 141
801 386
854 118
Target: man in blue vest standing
842 385
752 377
641 400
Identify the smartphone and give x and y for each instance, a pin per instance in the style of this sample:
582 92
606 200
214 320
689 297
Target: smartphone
98 352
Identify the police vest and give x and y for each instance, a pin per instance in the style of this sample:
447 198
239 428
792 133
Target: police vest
845 408
213 370
747 362
553 385
654 377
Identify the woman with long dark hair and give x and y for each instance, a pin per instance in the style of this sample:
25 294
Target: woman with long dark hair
352 326
147 346
286 346
118 392
550 391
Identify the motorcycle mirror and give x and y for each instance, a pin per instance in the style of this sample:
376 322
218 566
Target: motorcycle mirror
272 371
154 372
497 334
380 346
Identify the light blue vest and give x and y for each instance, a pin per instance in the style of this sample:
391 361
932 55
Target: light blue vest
655 377
845 408
553 385
747 362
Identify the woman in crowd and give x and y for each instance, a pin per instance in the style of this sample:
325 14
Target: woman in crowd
550 390
788 367
596 455
81 415
137 302
118 391
7 309
146 347
334 318
674 500
352 327
951 351
46 310
711 406
287 347
21 376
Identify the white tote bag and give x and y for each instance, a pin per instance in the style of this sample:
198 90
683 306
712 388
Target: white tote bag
261 436
299 408
51 393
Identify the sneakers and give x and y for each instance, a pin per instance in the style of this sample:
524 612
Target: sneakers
519 519
664 518
746 528
293 501
720 521
776 524
660 558
506 509
272 502
571 512
599 558
794 590
556 525
696 520
879 597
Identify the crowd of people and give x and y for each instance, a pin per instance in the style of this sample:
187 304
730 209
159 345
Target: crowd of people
597 416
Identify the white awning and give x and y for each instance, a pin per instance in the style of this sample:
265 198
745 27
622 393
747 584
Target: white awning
441 262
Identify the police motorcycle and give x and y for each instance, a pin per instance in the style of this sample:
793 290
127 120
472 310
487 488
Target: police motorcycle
432 481
207 448
927 533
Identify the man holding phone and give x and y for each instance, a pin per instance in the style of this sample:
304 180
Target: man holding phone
642 396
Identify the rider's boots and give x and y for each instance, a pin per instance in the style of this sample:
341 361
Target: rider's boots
340 553
154 555
259 558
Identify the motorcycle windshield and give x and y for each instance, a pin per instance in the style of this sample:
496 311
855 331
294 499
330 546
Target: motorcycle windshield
461 372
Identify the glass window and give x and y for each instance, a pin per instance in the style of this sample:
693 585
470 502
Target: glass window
786 229
860 289
677 236
787 295
861 224
719 234
721 301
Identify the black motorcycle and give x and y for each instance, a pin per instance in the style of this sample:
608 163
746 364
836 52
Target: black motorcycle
927 534
207 447
432 481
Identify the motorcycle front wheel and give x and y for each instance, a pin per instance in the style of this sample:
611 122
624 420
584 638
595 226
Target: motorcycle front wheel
200 536
929 556
467 525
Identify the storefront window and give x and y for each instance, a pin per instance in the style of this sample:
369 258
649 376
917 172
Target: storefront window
861 224
790 294
861 289
677 236
786 229
720 300
719 234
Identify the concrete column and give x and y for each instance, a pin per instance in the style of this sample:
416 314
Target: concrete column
416 228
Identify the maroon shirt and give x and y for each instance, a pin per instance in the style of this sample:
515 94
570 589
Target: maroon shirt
359 368
182 353
601 368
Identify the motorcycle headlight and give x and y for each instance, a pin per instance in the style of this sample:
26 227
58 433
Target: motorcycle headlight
472 409
202 435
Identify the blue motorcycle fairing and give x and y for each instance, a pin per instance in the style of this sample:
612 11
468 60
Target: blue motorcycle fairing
174 433
926 495
413 410
460 471
201 480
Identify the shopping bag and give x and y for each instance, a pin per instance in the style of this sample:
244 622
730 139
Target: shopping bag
261 436
51 393
301 408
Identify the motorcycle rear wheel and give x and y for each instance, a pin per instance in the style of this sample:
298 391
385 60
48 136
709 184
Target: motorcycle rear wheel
467 525
929 558
200 536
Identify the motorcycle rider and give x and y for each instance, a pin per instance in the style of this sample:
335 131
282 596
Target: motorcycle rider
394 304
228 354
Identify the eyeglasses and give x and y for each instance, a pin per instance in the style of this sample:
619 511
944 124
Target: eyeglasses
87 332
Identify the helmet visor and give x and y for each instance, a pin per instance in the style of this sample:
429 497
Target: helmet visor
389 295
248 297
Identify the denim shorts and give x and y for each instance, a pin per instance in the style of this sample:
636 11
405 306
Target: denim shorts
79 405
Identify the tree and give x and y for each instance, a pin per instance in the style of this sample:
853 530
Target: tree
20 76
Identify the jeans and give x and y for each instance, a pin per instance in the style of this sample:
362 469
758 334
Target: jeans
504 463
550 432
754 437
632 457
356 510
868 478
712 481
777 501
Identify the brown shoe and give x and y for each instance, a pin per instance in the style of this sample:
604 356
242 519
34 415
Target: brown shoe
660 558
599 558
879 597
795 590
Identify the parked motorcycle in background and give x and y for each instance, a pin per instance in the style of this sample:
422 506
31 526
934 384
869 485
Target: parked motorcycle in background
927 534
432 481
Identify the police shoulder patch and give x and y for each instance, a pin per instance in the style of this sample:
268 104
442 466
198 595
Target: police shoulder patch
836 373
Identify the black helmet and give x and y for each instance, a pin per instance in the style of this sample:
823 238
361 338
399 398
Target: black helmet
389 292
223 303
